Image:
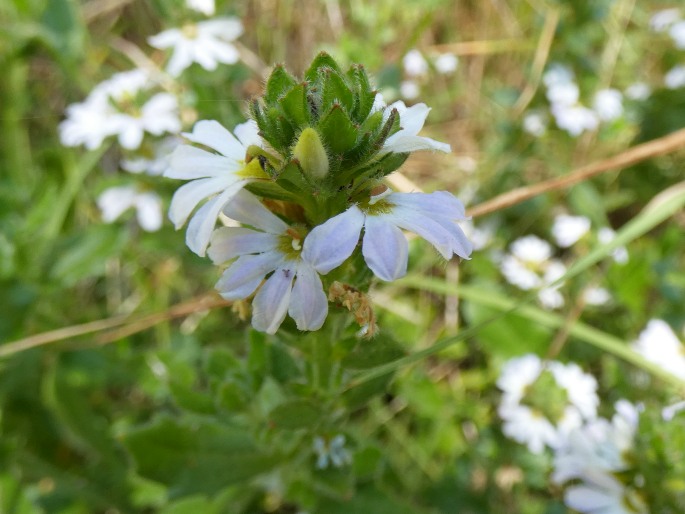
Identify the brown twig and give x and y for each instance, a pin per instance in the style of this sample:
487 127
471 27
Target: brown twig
661 146
128 325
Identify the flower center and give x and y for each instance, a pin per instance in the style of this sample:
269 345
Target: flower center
190 31
290 243
546 397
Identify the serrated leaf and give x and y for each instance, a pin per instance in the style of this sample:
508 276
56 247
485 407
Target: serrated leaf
338 131
204 457
295 414
336 90
295 105
321 61
279 82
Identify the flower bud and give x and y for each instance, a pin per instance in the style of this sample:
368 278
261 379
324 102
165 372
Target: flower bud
311 154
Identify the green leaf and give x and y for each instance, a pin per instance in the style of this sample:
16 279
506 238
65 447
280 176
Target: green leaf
279 82
369 354
366 95
338 131
320 62
336 91
295 414
199 457
64 29
295 105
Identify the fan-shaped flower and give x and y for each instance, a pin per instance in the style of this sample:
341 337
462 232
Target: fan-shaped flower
207 43
219 176
385 249
113 202
271 246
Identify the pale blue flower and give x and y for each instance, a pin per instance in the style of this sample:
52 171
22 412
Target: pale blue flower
385 249
331 452
270 246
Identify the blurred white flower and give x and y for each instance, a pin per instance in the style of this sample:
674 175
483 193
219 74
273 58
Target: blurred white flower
608 104
446 63
574 119
563 93
113 202
480 236
216 176
207 43
155 164
557 74
114 108
409 89
675 77
677 33
270 247
535 124
157 116
638 91
206 7
668 413
414 63
567 230
407 139
659 344
433 216
545 415
663 19
529 266
594 456
605 235
596 296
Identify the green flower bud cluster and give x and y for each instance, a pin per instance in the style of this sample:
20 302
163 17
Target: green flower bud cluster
327 134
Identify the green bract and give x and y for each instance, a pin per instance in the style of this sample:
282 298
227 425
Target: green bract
334 108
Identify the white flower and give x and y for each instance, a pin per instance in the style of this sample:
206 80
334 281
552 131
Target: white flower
677 33
271 246
605 235
659 344
409 89
86 123
332 451
411 122
608 104
433 216
155 164
675 78
414 63
661 20
557 74
563 93
638 91
480 236
668 413
111 109
207 43
206 7
217 176
446 63
113 202
596 296
529 425
592 456
574 119
535 124
157 116
567 230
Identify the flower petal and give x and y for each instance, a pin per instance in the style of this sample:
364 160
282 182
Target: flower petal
426 227
202 223
385 248
187 197
230 242
149 211
212 134
244 276
308 303
270 305
248 134
189 162
437 203
247 209
400 143
328 245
